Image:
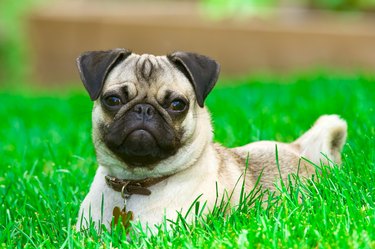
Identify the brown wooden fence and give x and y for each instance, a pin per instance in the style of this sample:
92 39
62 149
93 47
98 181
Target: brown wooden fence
290 41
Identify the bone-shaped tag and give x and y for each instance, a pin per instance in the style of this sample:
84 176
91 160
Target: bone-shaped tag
122 215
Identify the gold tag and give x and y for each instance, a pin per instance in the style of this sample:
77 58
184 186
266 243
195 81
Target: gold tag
123 215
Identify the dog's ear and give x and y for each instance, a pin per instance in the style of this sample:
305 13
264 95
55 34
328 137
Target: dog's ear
201 70
94 67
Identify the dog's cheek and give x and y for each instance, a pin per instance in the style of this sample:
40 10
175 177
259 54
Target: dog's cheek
97 115
100 118
188 126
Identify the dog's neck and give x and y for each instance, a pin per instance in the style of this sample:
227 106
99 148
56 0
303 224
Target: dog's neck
128 188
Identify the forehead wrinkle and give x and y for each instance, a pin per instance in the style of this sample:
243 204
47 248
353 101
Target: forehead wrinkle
117 85
163 65
157 61
125 90
136 69
146 68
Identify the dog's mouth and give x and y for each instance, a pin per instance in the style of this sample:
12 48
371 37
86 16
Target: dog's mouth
139 141
142 146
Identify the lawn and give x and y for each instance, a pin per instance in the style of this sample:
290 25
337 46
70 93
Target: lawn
48 162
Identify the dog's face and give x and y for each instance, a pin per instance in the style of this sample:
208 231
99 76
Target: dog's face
145 106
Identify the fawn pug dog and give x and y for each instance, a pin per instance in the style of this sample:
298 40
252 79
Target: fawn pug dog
154 143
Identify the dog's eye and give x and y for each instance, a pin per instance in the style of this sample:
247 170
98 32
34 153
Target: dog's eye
177 105
112 101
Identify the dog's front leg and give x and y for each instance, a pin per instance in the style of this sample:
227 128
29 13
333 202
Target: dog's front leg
98 204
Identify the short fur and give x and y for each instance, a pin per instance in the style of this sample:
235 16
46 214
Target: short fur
198 166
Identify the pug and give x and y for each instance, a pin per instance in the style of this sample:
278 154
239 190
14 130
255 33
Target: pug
153 139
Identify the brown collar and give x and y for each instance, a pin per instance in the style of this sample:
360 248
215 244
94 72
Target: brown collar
132 187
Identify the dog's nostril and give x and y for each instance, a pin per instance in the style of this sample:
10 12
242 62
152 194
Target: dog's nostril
149 110
138 109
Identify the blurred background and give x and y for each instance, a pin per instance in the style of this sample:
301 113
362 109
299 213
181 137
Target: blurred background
40 39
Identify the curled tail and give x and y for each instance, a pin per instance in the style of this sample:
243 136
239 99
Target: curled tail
324 140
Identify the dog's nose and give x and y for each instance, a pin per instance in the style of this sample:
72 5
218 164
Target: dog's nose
144 111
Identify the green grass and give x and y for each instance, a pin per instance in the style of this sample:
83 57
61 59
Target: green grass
48 162
13 38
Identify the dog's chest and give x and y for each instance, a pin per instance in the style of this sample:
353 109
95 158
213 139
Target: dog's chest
202 183
171 197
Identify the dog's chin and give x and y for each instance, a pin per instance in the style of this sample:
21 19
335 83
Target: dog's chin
140 148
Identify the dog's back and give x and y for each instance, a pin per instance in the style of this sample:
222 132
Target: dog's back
321 144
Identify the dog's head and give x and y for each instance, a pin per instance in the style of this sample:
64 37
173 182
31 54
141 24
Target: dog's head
146 106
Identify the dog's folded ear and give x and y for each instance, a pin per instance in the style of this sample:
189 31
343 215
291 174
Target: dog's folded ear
94 67
201 70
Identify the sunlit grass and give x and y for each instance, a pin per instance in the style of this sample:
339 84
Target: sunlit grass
48 162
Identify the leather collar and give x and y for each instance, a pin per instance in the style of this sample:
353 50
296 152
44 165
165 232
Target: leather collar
132 187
